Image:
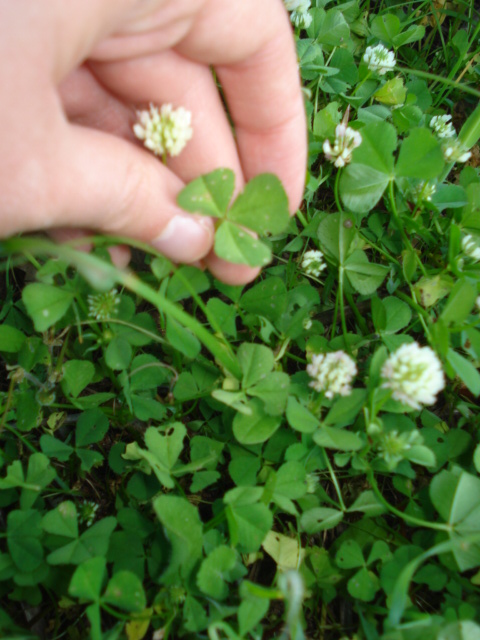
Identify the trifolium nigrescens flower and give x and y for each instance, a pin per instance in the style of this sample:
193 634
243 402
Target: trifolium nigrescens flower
394 446
299 12
424 191
379 59
453 151
313 262
164 131
471 246
103 306
87 512
442 127
346 140
332 373
414 375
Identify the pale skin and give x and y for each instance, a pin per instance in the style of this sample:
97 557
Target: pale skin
72 75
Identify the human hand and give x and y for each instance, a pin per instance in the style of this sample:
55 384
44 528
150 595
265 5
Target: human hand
74 73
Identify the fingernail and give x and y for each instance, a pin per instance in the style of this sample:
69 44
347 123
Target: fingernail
185 239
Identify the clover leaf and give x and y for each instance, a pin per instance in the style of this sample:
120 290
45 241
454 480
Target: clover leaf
262 208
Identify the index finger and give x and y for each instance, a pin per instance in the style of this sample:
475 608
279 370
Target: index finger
252 49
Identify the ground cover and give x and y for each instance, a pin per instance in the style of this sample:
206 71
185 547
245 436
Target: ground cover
298 458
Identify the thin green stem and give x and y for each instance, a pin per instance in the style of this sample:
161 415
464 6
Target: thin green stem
401 229
282 349
437 526
360 84
431 76
360 319
334 480
92 266
8 403
420 310
336 191
302 218
342 307
153 336
335 314
379 249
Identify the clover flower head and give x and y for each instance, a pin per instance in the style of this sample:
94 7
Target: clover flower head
312 481
414 374
393 446
103 306
332 373
87 512
442 126
165 130
313 262
471 246
346 140
307 324
424 191
379 59
454 152
299 12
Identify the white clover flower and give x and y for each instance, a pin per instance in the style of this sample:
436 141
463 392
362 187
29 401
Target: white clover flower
313 262
299 12
166 131
332 373
103 306
393 446
346 140
424 191
442 126
307 324
471 246
454 152
414 374
379 59
312 481
87 512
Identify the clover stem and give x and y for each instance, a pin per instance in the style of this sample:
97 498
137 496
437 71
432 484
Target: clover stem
438 526
401 229
342 307
90 265
336 192
334 480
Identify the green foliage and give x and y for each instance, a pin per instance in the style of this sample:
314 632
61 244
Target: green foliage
169 467
261 208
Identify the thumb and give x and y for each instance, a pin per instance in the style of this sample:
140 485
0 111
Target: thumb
105 183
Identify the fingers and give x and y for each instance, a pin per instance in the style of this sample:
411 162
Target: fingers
233 274
169 78
267 108
254 55
120 254
104 183
87 103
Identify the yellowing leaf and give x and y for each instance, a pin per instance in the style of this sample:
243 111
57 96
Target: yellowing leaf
287 552
137 629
